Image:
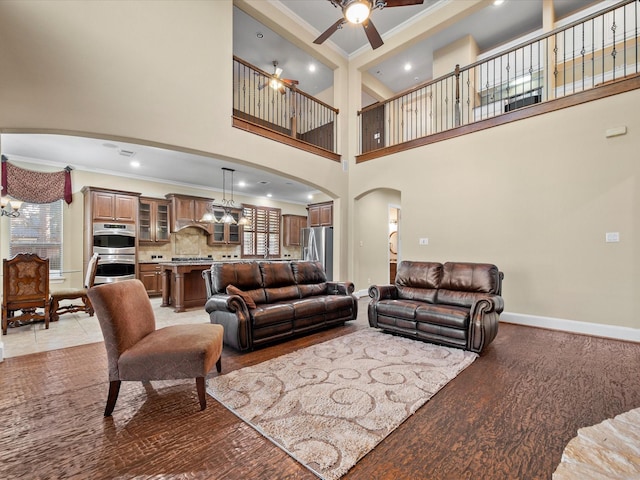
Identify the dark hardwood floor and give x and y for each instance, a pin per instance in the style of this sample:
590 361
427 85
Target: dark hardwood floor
508 416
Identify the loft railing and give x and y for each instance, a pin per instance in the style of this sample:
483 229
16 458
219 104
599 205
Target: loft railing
275 108
593 51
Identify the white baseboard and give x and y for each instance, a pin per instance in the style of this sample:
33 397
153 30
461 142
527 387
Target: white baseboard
361 293
573 326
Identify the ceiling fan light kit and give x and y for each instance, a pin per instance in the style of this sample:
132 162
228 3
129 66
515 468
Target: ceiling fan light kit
357 12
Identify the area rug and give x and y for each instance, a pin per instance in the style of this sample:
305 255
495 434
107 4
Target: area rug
608 450
329 404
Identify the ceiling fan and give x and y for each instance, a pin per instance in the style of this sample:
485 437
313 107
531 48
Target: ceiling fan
358 12
276 82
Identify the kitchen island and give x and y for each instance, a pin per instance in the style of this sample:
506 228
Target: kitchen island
182 283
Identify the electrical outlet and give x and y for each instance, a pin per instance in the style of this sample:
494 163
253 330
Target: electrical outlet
423 241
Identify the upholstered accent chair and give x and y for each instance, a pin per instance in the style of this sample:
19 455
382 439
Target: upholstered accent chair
25 288
136 351
79 294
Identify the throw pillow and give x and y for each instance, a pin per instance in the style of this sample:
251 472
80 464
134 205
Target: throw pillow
232 290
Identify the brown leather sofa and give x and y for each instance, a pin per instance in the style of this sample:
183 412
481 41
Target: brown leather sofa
261 302
455 304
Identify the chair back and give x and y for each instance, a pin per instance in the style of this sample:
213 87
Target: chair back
26 281
92 268
125 315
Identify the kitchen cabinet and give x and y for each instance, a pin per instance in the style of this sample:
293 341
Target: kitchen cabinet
111 205
182 285
153 221
225 233
320 214
291 230
150 274
186 211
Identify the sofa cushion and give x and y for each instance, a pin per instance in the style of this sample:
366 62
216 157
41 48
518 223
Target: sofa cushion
308 272
419 274
276 274
460 299
312 289
471 277
232 290
405 309
422 294
334 303
449 315
282 293
271 314
308 307
244 275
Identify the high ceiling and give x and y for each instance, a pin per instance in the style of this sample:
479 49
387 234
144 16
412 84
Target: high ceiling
490 27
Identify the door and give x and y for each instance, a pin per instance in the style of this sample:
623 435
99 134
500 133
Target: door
373 129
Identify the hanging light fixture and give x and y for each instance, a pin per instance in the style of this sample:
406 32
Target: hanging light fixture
227 205
357 11
10 207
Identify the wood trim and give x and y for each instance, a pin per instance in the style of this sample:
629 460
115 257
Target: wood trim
596 93
286 139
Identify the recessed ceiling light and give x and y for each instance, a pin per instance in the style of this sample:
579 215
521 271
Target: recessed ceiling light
259 35
242 183
134 163
310 197
498 2
269 195
407 67
312 67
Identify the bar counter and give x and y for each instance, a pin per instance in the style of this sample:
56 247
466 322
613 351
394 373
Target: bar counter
182 284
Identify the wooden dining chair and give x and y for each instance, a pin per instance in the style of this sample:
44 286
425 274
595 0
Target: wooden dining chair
79 294
25 288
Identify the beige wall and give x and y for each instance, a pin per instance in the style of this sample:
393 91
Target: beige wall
154 72
535 197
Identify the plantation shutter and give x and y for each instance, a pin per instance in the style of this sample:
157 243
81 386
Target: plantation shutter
261 237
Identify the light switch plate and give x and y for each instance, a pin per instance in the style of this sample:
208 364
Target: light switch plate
612 237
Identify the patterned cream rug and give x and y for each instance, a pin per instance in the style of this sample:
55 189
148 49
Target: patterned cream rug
329 404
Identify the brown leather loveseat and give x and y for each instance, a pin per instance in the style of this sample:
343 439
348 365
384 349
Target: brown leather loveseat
260 302
455 304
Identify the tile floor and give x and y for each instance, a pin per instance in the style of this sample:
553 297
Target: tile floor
79 328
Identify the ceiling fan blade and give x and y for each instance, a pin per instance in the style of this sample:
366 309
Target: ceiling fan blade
329 31
289 81
372 34
403 3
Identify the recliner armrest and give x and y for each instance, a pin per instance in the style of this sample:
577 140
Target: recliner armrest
340 288
225 303
382 292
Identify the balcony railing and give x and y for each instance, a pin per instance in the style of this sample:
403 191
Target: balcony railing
599 49
275 108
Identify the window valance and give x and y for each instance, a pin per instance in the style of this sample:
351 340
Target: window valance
35 187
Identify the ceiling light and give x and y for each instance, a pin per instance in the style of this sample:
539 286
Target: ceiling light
227 205
134 163
498 2
241 183
269 195
310 197
312 67
357 11
407 67
259 35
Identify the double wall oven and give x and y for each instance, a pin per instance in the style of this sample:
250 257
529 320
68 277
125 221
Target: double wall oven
116 245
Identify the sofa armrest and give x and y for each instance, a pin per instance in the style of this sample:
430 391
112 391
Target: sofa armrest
340 288
484 320
232 313
383 292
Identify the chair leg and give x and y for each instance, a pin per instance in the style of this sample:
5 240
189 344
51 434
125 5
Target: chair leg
114 389
202 395
219 364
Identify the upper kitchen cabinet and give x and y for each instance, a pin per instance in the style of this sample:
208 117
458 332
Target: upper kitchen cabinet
153 221
186 211
225 233
320 214
104 205
291 230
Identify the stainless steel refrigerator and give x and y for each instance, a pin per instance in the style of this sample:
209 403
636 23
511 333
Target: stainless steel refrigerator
317 246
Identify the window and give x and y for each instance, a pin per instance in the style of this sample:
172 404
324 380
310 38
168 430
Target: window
261 237
38 230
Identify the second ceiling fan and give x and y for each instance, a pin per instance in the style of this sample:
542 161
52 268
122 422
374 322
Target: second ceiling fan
358 12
